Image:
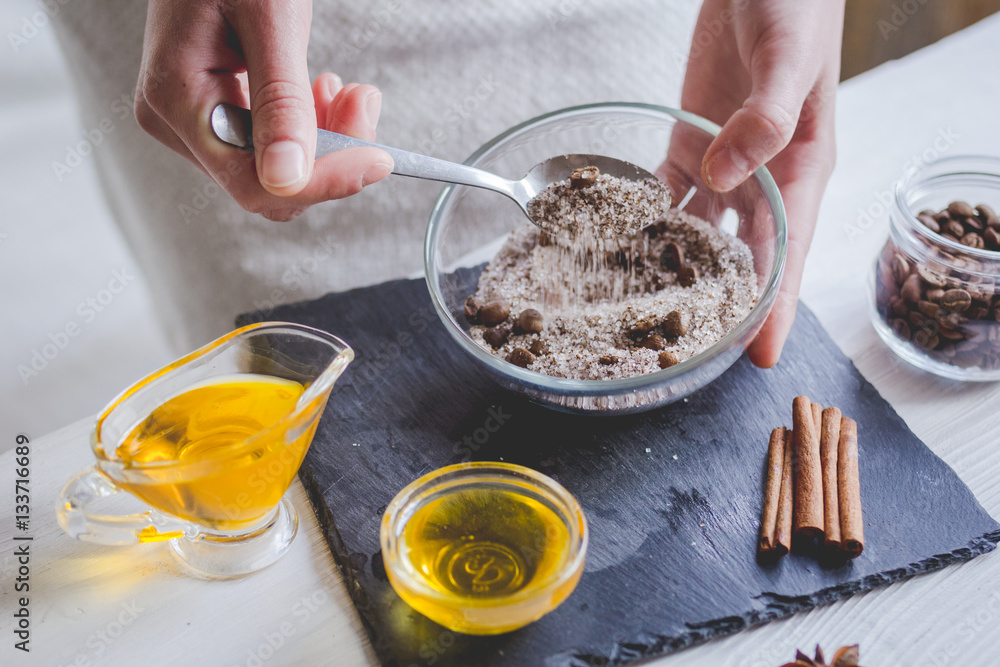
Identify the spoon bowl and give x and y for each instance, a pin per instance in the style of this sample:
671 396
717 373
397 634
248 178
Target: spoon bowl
233 126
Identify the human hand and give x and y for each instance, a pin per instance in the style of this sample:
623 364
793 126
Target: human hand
252 54
767 71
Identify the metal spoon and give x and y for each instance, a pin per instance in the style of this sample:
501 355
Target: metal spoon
232 125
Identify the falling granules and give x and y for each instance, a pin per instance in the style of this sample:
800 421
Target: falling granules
657 315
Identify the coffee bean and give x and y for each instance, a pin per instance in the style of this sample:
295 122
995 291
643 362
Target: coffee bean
653 342
675 324
929 222
687 275
584 176
925 339
960 208
921 321
953 320
949 333
982 294
472 308
608 360
991 238
929 308
520 357
672 257
644 326
984 212
942 217
900 268
955 228
667 359
950 237
538 347
935 294
910 291
497 336
974 224
972 240
529 321
957 300
898 306
930 276
494 312
993 223
901 328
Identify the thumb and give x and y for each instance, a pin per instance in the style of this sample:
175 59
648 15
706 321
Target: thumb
274 37
765 124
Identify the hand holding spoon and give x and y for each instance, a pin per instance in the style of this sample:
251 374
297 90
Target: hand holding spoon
232 125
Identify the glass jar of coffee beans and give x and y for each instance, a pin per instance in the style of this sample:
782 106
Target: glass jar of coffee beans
936 282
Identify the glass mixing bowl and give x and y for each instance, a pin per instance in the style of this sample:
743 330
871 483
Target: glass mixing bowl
468 225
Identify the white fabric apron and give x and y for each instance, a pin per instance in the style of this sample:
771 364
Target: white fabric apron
453 74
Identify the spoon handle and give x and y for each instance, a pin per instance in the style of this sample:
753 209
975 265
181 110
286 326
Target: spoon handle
232 125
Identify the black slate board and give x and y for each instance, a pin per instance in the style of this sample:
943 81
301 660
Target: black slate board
672 497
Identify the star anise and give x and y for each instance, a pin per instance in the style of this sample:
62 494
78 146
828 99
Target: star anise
846 656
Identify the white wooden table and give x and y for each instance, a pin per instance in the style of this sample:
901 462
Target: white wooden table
92 605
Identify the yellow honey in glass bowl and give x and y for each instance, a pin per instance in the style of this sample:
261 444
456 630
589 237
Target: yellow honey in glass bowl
484 548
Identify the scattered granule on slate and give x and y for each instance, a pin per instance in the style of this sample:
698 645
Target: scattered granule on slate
605 207
599 306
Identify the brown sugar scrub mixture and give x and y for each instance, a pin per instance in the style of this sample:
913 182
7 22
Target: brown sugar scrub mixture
588 308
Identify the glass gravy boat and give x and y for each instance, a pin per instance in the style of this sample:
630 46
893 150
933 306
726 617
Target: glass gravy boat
210 444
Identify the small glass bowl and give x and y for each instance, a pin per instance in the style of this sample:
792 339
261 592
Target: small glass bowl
934 301
498 546
468 226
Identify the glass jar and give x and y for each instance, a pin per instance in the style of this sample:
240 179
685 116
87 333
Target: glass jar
935 287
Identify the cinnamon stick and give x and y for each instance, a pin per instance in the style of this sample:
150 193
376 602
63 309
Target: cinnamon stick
783 527
817 413
807 520
849 490
769 546
828 454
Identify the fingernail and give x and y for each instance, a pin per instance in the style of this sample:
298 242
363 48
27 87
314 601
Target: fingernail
283 164
376 172
726 170
373 107
333 85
